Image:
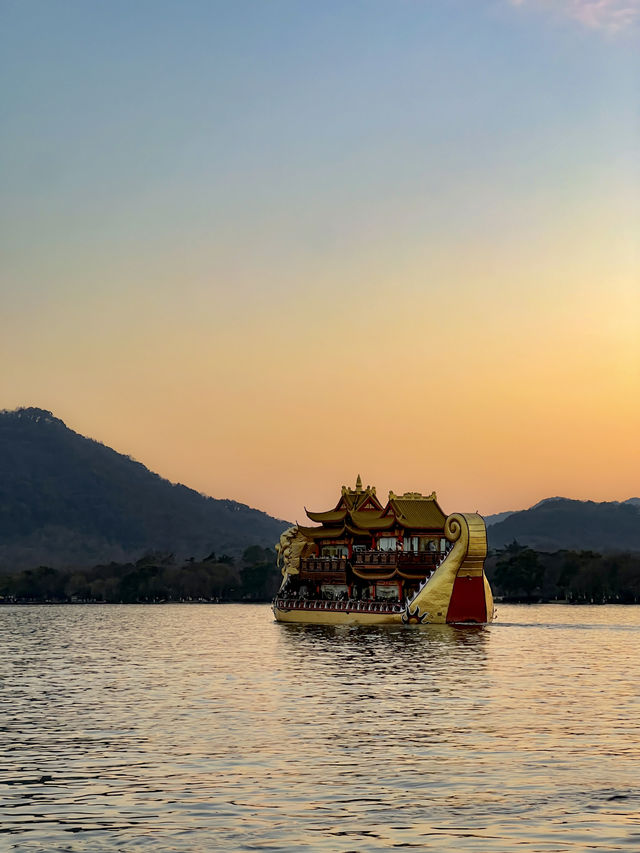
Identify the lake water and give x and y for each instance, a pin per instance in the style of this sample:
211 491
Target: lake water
204 727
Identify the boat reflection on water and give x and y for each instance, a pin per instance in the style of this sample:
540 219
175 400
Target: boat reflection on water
393 652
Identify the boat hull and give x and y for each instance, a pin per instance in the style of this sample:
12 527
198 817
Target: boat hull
457 593
335 617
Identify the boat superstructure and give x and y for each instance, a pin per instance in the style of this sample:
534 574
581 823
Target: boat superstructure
365 563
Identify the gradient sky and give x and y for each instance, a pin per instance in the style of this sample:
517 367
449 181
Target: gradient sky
265 246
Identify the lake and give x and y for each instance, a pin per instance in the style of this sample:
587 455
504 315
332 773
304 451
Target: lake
205 727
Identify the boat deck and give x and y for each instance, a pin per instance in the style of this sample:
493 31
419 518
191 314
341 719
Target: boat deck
350 606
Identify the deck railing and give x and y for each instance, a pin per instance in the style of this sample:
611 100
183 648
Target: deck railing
350 606
327 565
428 559
323 564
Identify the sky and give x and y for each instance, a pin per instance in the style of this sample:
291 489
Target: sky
263 246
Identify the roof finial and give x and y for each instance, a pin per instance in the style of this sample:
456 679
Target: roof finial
358 484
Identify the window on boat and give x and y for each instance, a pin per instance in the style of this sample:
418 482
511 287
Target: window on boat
335 551
387 590
334 591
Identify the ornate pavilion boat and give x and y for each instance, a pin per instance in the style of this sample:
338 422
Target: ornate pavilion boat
369 564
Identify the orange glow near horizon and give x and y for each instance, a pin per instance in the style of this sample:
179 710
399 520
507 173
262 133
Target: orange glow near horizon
495 400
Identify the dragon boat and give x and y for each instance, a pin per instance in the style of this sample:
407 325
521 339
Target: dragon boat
367 564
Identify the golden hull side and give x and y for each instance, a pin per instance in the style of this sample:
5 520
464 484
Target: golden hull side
468 533
340 617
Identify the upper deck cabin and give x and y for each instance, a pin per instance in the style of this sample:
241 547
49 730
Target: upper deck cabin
363 549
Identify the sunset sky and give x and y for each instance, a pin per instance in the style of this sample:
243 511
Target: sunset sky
265 246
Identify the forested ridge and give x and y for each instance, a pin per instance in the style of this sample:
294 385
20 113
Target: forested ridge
67 500
557 524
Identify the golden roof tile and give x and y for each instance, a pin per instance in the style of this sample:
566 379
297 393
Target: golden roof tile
323 532
330 516
417 512
358 497
371 519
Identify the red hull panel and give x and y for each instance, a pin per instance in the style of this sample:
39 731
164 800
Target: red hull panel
468 602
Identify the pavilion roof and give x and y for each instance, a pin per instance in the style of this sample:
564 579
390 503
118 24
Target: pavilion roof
359 512
331 516
371 520
416 511
363 520
322 532
351 500
356 498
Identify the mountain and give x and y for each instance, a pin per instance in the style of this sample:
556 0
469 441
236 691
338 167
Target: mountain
489 520
559 523
66 500
500 516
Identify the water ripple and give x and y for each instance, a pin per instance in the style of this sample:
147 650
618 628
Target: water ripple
182 728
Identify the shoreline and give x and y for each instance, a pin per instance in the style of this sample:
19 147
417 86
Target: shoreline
26 603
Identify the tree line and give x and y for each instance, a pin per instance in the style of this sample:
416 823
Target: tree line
518 573
156 577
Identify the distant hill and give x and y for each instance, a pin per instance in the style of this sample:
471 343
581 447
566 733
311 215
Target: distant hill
66 500
560 523
498 516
